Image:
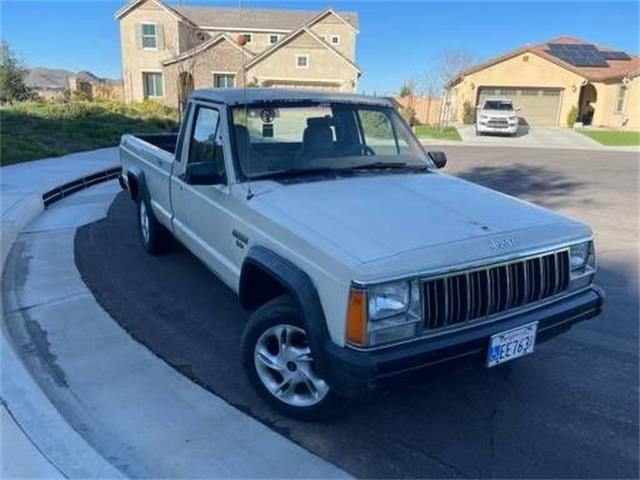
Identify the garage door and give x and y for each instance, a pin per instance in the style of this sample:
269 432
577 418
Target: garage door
538 106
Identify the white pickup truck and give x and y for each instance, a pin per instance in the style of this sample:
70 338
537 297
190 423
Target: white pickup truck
359 260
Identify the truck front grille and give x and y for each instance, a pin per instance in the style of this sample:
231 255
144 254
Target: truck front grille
498 122
474 295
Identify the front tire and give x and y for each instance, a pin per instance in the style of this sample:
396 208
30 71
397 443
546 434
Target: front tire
280 367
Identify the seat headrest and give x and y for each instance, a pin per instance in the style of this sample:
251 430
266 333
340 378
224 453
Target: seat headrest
319 121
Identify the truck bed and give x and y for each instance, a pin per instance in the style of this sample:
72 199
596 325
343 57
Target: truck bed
165 141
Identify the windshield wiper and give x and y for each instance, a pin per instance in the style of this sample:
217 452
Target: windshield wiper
298 172
388 165
295 172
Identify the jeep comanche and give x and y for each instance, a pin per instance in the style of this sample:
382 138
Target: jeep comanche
359 261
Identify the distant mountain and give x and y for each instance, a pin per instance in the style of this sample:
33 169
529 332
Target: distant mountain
43 77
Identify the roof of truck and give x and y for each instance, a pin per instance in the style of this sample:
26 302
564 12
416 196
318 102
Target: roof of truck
240 96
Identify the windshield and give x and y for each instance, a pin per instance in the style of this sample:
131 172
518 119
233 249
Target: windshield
497 105
282 136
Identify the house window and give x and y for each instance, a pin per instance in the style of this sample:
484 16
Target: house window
152 84
249 38
302 61
323 37
335 39
622 93
273 39
224 80
149 36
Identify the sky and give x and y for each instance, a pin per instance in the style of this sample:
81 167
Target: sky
398 41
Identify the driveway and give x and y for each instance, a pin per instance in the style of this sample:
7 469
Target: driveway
543 137
570 410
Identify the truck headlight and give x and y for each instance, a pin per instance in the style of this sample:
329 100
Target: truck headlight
580 257
384 313
582 262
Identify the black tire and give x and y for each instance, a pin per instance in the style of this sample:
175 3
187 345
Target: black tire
279 312
156 239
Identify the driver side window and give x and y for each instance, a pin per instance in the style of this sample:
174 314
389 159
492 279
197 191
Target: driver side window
204 146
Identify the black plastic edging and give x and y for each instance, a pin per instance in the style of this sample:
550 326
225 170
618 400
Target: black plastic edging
70 188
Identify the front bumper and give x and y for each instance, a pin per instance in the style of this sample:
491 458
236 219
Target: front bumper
511 129
352 372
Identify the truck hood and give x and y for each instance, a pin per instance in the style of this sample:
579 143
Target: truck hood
371 218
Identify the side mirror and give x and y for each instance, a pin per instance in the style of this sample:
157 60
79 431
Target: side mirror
203 173
439 158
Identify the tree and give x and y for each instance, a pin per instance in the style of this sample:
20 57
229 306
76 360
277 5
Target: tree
408 88
12 77
450 65
185 68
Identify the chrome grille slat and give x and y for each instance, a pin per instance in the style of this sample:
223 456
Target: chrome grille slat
465 297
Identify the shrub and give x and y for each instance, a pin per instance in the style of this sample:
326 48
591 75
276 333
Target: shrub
572 116
467 113
406 90
408 114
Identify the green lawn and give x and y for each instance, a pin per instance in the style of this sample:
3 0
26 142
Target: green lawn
612 138
430 131
31 131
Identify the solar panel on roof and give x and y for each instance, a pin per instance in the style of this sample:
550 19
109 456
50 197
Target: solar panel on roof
616 56
584 55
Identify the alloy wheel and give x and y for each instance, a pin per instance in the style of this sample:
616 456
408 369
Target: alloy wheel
284 364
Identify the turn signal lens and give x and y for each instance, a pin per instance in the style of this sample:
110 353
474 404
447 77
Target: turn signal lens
357 317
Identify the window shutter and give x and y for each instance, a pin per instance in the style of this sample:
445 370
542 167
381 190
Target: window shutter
160 36
138 36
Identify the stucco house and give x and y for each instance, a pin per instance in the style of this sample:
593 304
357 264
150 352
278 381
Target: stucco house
548 79
168 50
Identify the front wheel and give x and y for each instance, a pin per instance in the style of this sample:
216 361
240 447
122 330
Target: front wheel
280 366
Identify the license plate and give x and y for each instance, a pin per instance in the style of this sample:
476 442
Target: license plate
512 344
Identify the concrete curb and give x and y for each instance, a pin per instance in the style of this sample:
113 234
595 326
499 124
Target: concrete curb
55 450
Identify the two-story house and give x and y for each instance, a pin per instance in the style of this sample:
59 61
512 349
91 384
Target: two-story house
167 51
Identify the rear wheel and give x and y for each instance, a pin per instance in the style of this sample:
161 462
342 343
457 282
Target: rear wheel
280 365
153 236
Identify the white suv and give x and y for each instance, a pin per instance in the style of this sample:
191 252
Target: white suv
497 116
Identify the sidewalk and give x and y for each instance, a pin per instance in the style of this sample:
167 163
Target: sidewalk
37 442
541 137
83 398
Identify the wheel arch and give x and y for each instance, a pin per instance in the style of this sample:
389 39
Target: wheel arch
261 263
136 182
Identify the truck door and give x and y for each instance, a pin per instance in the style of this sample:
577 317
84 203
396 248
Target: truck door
201 216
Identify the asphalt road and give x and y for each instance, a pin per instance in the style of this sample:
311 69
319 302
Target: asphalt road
570 410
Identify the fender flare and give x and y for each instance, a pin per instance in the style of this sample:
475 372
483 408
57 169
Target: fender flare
135 176
301 288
